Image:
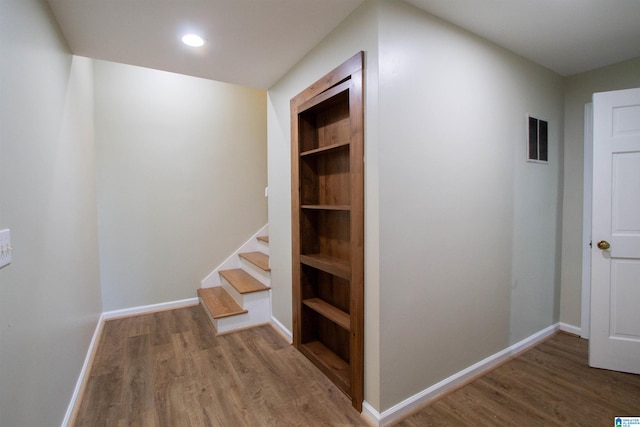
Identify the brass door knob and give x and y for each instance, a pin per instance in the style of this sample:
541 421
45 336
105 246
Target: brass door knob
604 245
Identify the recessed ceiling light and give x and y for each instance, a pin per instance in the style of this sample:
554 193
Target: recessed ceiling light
193 40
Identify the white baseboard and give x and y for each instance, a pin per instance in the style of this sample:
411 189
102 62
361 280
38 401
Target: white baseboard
409 405
80 383
152 308
286 334
575 330
233 261
370 414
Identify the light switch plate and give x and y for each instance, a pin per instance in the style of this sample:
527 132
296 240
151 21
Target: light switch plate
5 247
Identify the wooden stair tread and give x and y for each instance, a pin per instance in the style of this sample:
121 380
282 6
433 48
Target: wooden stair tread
264 239
242 281
259 259
219 303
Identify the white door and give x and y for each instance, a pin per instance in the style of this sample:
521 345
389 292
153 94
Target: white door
615 258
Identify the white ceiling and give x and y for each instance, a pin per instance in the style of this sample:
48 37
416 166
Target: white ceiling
249 42
567 36
255 42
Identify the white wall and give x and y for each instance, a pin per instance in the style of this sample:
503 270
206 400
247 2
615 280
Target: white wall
468 228
461 232
578 91
181 175
50 294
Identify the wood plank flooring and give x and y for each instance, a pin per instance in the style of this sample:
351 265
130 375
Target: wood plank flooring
549 385
168 369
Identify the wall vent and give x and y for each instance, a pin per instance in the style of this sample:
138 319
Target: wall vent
537 141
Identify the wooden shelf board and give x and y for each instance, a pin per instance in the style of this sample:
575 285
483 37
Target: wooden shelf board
325 148
327 310
264 239
328 207
330 363
331 265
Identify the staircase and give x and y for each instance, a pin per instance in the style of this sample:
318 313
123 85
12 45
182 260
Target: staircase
239 297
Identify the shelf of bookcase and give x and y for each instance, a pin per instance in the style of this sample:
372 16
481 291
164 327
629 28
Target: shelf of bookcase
327 207
325 149
330 363
327 310
336 266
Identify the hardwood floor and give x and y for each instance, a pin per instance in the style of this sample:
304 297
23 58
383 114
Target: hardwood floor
549 385
168 369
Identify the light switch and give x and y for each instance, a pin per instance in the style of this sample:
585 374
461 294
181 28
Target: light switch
5 247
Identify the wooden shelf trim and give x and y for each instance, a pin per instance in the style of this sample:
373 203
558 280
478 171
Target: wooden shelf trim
327 207
325 149
330 363
331 265
327 310
327 95
352 66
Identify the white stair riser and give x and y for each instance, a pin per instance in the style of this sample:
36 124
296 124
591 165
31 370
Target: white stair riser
264 247
259 306
241 299
256 272
231 323
237 296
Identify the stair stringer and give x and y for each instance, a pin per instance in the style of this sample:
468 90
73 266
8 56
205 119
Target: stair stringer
233 261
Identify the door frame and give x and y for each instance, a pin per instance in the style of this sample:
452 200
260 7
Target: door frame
587 197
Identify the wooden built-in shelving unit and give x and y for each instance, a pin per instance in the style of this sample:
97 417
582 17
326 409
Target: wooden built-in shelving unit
327 121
